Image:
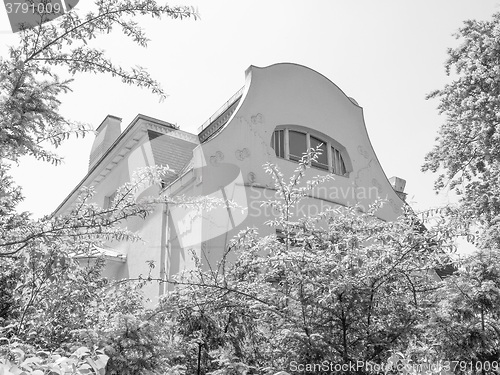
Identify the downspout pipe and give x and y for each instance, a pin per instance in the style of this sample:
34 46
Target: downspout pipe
164 250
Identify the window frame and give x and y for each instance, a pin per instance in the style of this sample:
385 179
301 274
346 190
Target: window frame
282 147
329 143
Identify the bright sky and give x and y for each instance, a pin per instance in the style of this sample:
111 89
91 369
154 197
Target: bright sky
386 54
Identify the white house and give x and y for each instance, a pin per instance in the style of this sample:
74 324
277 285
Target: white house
281 111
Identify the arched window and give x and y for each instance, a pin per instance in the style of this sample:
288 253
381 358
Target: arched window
291 144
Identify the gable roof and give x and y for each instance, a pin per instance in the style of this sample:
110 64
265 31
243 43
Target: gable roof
171 151
124 143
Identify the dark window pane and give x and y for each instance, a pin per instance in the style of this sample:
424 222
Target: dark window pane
338 162
278 143
298 145
342 167
322 159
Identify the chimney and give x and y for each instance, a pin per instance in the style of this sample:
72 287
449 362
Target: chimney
398 184
106 134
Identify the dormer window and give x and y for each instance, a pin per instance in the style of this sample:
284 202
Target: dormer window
291 144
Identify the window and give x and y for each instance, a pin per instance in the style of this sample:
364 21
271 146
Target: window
337 162
278 143
297 145
322 159
292 144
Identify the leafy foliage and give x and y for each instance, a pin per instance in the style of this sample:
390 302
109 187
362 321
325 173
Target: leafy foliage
469 316
31 362
47 298
467 151
343 286
464 324
30 88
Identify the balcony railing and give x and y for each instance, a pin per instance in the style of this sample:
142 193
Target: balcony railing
220 117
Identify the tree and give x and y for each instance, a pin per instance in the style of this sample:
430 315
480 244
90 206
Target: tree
465 325
30 87
467 152
46 296
29 94
467 155
341 287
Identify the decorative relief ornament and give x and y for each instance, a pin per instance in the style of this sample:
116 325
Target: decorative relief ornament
242 154
363 152
257 119
251 177
217 158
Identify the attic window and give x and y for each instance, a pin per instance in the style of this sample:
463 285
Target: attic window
322 160
338 164
297 145
291 144
278 143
